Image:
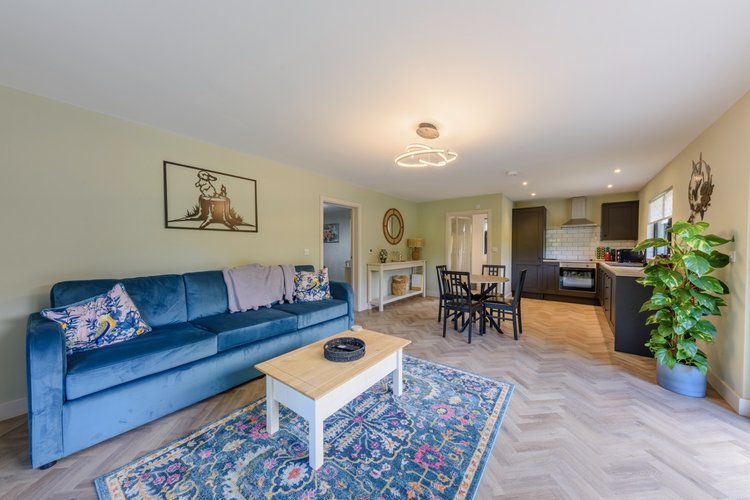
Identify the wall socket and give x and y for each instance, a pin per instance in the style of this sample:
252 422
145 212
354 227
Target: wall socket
306 251
371 250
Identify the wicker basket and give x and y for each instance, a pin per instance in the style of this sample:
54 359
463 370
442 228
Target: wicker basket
342 349
399 284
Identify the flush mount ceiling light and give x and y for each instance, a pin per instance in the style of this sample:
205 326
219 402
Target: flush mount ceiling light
419 155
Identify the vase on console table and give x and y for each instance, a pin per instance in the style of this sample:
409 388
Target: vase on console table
383 256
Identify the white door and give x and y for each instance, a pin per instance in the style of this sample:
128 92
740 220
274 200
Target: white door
465 241
459 258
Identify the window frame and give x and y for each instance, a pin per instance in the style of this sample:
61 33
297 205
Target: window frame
657 227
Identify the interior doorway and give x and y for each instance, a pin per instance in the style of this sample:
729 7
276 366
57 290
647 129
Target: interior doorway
340 241
466 239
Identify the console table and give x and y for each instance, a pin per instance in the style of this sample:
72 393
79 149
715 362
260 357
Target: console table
376 273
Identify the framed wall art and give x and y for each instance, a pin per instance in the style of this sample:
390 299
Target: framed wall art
331 233
197 198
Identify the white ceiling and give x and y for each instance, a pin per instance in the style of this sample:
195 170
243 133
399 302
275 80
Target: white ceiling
561 91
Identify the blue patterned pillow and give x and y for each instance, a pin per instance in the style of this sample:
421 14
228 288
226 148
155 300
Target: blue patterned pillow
99 321
311 286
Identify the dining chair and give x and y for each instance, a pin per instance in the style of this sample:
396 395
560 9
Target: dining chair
510 308
441 290
498 293
495 270
459 302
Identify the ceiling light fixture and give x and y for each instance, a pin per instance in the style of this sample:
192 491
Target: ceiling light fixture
618 170
525 183
533 194
609 186
419 155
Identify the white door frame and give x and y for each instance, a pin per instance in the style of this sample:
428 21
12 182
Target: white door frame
468 213
356 238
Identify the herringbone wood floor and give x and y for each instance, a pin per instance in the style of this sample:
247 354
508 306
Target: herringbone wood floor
584 421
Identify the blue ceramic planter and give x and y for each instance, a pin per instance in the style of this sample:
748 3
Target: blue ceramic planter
682 379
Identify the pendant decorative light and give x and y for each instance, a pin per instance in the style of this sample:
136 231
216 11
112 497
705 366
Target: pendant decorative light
419 155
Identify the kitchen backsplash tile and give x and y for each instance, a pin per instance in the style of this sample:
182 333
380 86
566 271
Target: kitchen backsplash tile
578 243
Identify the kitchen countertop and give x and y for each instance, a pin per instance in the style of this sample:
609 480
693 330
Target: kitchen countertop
630 272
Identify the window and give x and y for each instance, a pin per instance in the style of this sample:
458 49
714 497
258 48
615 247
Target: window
659 220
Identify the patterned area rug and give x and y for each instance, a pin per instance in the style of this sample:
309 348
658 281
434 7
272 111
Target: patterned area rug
432 442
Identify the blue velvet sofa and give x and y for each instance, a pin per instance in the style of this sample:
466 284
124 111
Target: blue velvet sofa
196 349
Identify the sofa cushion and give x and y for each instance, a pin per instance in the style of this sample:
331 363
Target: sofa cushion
100 321
160 299
311 286
246 327
312 313
206 294
163 348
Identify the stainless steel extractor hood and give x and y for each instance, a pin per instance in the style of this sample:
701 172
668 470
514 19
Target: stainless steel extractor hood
578 213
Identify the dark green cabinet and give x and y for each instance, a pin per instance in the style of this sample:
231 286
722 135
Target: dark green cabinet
621 298
619 221
551 277
529 225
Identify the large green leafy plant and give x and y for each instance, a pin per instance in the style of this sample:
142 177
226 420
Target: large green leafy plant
684 293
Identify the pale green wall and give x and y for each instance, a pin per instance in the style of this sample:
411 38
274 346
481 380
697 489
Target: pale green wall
726 148
83 198
432 221
559 210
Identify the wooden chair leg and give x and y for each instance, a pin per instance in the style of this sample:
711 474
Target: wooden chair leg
470 322
515 328
520 323
445 322
440 309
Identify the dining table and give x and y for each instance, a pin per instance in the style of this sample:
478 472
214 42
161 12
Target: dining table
492 282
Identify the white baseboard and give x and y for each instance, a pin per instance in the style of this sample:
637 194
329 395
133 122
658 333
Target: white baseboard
10 409
740 405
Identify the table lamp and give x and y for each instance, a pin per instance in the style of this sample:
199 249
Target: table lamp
416 245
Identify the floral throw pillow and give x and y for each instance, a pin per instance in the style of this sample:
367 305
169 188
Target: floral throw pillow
311 286
99 321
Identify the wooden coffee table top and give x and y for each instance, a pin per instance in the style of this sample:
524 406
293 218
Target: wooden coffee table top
307 371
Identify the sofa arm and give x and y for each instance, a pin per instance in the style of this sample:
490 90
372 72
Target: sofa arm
343 291
45 375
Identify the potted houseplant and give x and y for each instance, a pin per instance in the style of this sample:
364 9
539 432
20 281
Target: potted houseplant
684 294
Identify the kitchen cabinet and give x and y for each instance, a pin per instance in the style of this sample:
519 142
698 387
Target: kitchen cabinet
529 225
621 298
551 278
619 221
608 282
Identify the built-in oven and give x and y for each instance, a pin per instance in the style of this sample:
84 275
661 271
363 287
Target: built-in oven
578 276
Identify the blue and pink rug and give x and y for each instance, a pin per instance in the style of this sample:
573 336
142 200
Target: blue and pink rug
432 442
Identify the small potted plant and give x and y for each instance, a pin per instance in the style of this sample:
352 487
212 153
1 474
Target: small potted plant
684 294
383 255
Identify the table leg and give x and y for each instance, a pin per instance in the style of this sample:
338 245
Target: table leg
380 290
398 380
272 407
316 441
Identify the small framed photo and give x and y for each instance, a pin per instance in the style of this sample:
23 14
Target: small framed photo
331 233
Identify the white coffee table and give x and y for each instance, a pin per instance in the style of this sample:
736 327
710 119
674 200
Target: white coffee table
314 388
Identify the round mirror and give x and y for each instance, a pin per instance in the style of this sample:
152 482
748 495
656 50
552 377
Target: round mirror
393 226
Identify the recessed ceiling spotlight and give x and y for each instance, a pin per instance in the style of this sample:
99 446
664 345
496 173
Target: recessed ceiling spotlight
511 172
609 186
524 183
618 170
533 194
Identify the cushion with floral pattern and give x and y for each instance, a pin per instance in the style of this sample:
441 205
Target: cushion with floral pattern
99 321
311 286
